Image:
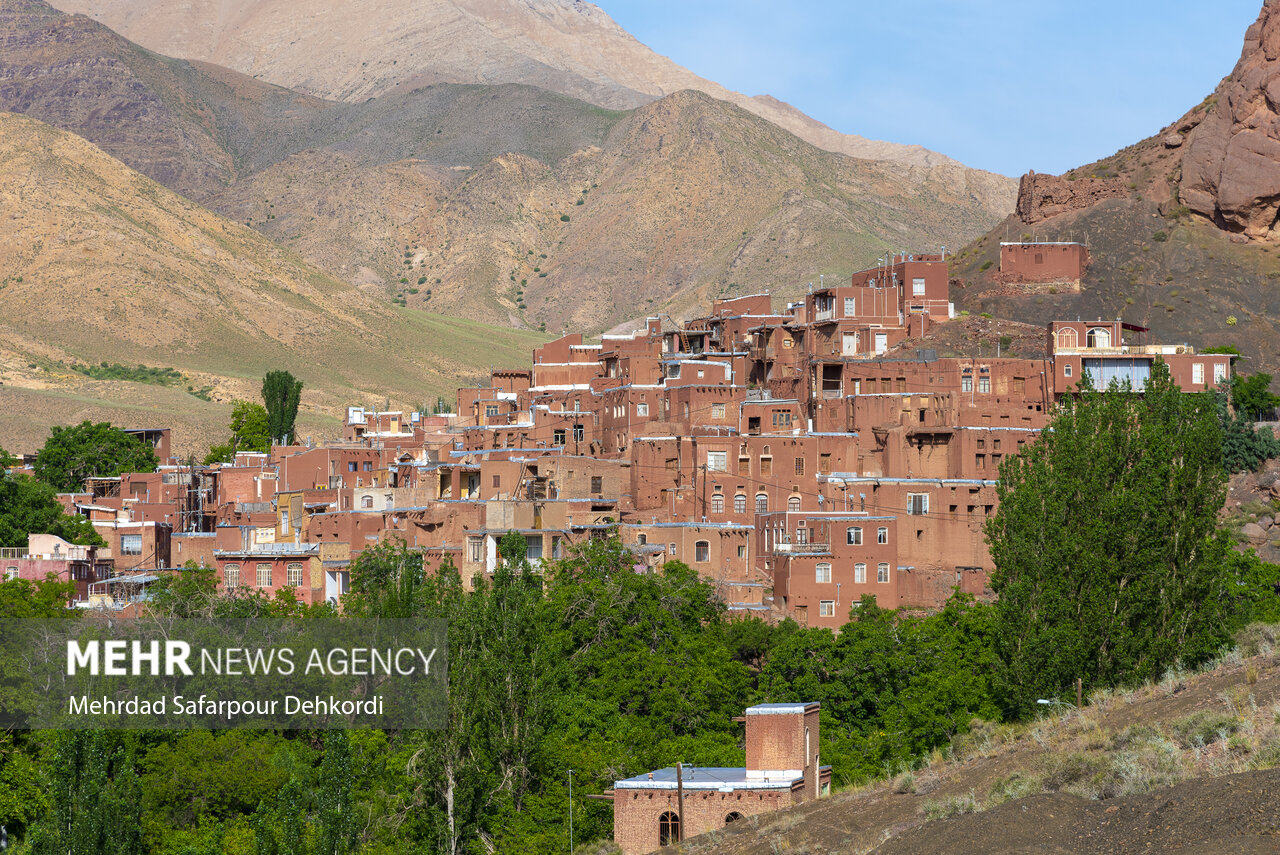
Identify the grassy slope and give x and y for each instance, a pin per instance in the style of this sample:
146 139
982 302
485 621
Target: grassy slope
1105 767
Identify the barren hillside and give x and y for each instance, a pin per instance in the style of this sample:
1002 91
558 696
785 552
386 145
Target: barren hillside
101 263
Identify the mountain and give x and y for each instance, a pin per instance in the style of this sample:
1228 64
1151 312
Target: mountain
1181 226
502 202
102 264
362 48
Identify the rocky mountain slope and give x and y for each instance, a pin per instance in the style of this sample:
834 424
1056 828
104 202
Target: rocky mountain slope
1180 226
102 264
503 202
1188 765
354 50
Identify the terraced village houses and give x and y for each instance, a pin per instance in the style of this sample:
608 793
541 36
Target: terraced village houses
798 457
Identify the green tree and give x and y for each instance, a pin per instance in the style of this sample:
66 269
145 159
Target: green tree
250 431
72 454
7 461
1245 446
29 506
1251 395
1107 559
281 393
96 798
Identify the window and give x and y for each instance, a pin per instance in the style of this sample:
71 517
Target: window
742 552
12 572
799 465
917 287
130 544
702 551
490 410
231 575
766 466
671 550
1219 372
366 502
1098 337
980 460
577 433
597 483
859 574
966 384
917 504
533 547
475 549
762 503
1066 371
1197 373
368 466
853 535
740 504
823 572
351 466
717 411
882 572
284 519
497 481
557 436
882 535
642 410
850 307
717 461
264 575
984 385
782 418
793 504
826 608
717 504
668 828
294 575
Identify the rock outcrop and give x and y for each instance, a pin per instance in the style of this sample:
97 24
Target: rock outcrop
1231 170
1043 196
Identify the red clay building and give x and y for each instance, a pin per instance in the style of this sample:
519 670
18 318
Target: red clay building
782 768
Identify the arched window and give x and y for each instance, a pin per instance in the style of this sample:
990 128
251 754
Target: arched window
702 551
732 817
762 503
793 504
823 572
1099 337
740 504
294 575
717 504
264 575
882 573
1068 338
668 828
231 575
366 502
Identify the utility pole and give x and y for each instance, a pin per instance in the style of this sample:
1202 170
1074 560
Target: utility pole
680 800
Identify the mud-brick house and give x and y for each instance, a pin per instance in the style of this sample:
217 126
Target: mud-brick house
783 768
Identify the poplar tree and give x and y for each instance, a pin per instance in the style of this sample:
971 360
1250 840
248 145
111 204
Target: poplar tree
281 392
1108 565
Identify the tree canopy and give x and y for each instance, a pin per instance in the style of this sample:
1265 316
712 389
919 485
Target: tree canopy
1107 558
29 506
250 431
281 392
72 454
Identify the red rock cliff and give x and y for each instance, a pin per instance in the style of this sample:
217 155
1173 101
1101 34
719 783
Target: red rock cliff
1043 196
1231 170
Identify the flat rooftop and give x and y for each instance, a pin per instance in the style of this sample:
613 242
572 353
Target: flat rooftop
720 778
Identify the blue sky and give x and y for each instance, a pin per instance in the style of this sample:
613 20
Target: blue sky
1001 85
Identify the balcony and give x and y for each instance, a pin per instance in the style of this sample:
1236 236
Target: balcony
812 548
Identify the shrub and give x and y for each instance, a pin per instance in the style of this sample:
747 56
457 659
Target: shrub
1160 236
564 218
1203 728
986 265
949 806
